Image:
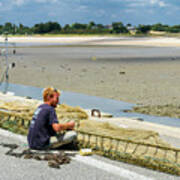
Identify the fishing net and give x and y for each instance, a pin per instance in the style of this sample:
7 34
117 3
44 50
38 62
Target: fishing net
135 146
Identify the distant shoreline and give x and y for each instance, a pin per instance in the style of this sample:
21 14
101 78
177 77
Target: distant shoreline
98 40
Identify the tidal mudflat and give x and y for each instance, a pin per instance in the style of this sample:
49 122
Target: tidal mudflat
147 76
123 70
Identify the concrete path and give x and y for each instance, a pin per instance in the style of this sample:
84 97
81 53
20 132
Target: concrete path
81 168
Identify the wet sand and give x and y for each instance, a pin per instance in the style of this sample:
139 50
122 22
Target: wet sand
141 75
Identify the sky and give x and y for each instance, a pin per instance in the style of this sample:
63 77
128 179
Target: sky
30 12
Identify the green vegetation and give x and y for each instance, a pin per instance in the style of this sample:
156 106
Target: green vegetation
168 110
56 28
159 28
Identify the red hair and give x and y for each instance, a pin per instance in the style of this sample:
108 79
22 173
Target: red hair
49 92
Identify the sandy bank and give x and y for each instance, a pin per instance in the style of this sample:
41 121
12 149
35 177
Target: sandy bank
68 39
155 42
101 40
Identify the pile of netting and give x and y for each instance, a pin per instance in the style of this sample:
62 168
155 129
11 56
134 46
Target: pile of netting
135 146
55 160
16 114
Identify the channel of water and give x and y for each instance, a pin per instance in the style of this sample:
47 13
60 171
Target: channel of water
110 106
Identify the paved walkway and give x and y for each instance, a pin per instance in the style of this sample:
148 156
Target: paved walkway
80 168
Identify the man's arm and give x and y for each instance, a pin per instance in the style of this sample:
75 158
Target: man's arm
60 127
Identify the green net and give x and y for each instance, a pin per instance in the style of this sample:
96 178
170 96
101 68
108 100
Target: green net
135 146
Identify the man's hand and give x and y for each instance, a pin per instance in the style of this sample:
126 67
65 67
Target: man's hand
66 126
70 125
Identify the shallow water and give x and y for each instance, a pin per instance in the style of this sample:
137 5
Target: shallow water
111 106
33 44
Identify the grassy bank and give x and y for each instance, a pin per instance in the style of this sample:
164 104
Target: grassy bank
168 110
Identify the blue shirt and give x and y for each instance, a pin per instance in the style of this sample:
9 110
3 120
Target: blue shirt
40 129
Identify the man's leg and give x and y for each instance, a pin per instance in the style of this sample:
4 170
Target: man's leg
62 139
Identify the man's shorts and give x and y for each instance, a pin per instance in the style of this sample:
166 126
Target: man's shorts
62 139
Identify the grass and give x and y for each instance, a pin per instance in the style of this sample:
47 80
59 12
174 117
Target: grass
168 110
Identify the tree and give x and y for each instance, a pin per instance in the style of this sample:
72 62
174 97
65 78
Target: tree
100 26
91 25
52 27
48 27
66 27
76 26
8 27
1 29
118 27
174 29
159 27
143 29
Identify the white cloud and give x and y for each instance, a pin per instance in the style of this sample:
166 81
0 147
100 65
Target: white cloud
114 16
162 4
82 8
23 2
139 3
19 2
46 1
52 14
69 11
158 2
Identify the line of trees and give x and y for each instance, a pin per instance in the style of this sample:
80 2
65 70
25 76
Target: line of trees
158 27
56 28
79 28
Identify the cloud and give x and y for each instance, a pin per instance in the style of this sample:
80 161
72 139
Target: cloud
147 3
83 11
160 3
46 1
19 2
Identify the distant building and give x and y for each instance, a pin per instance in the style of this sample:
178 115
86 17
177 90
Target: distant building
132 29
108 27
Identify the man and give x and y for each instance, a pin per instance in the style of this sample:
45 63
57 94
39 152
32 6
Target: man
44 123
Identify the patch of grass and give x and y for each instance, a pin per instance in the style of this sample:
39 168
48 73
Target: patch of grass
168 110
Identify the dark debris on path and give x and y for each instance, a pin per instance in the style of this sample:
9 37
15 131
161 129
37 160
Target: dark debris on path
54 159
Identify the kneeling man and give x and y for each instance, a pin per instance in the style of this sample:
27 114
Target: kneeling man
45 124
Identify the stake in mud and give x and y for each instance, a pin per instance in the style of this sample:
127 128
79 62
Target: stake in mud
5 74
